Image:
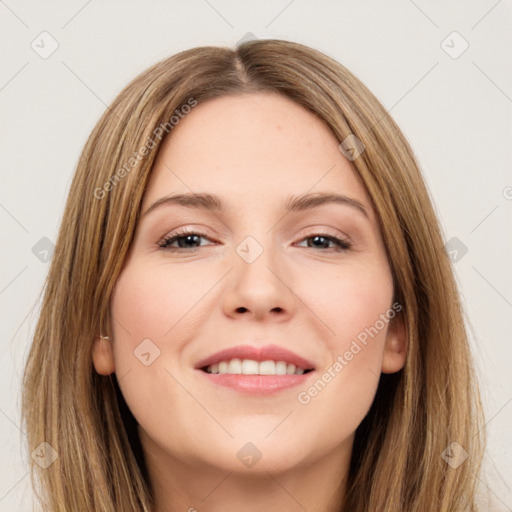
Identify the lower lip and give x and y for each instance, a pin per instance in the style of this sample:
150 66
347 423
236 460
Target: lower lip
257 384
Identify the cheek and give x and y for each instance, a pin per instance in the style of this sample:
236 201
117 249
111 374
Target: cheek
149 309
351 301
161 303
354 304
150 301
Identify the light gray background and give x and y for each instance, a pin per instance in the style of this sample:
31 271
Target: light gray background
456 112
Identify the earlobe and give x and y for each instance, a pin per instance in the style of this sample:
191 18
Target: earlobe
395 348
103 356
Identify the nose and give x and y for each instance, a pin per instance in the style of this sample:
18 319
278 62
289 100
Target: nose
260 289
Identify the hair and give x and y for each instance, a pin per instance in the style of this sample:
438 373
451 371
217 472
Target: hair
416 414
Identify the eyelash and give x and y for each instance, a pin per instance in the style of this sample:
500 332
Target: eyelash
342 245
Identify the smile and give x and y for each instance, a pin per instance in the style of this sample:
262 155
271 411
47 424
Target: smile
256 370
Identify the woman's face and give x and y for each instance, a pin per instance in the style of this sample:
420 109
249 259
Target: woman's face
268 282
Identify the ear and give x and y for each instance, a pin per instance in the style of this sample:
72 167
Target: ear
103 356
395 347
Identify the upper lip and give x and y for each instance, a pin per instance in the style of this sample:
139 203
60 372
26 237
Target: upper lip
265 353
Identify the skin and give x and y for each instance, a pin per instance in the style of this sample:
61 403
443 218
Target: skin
254 151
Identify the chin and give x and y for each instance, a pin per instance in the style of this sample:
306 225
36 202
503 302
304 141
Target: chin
250 454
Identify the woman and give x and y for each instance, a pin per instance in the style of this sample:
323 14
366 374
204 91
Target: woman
309 353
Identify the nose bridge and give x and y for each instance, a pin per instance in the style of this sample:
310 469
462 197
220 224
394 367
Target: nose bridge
258 244
257 283
255 259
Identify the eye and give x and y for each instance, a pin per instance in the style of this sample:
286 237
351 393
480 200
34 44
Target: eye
321 239
185 239
187 242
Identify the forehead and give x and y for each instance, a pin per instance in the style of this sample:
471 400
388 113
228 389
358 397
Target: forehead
252 148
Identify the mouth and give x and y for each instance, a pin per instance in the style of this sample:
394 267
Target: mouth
256 370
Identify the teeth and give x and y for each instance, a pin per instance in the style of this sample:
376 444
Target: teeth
250 367
268 368
280 368
235 366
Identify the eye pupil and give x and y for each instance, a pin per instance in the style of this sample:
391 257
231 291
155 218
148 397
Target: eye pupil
184 240
317 238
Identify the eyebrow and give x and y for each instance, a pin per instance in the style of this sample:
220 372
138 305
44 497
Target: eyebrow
211 202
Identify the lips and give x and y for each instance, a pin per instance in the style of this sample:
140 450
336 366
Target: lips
262 383
266 353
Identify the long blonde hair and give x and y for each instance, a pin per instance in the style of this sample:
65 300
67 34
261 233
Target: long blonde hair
397 461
